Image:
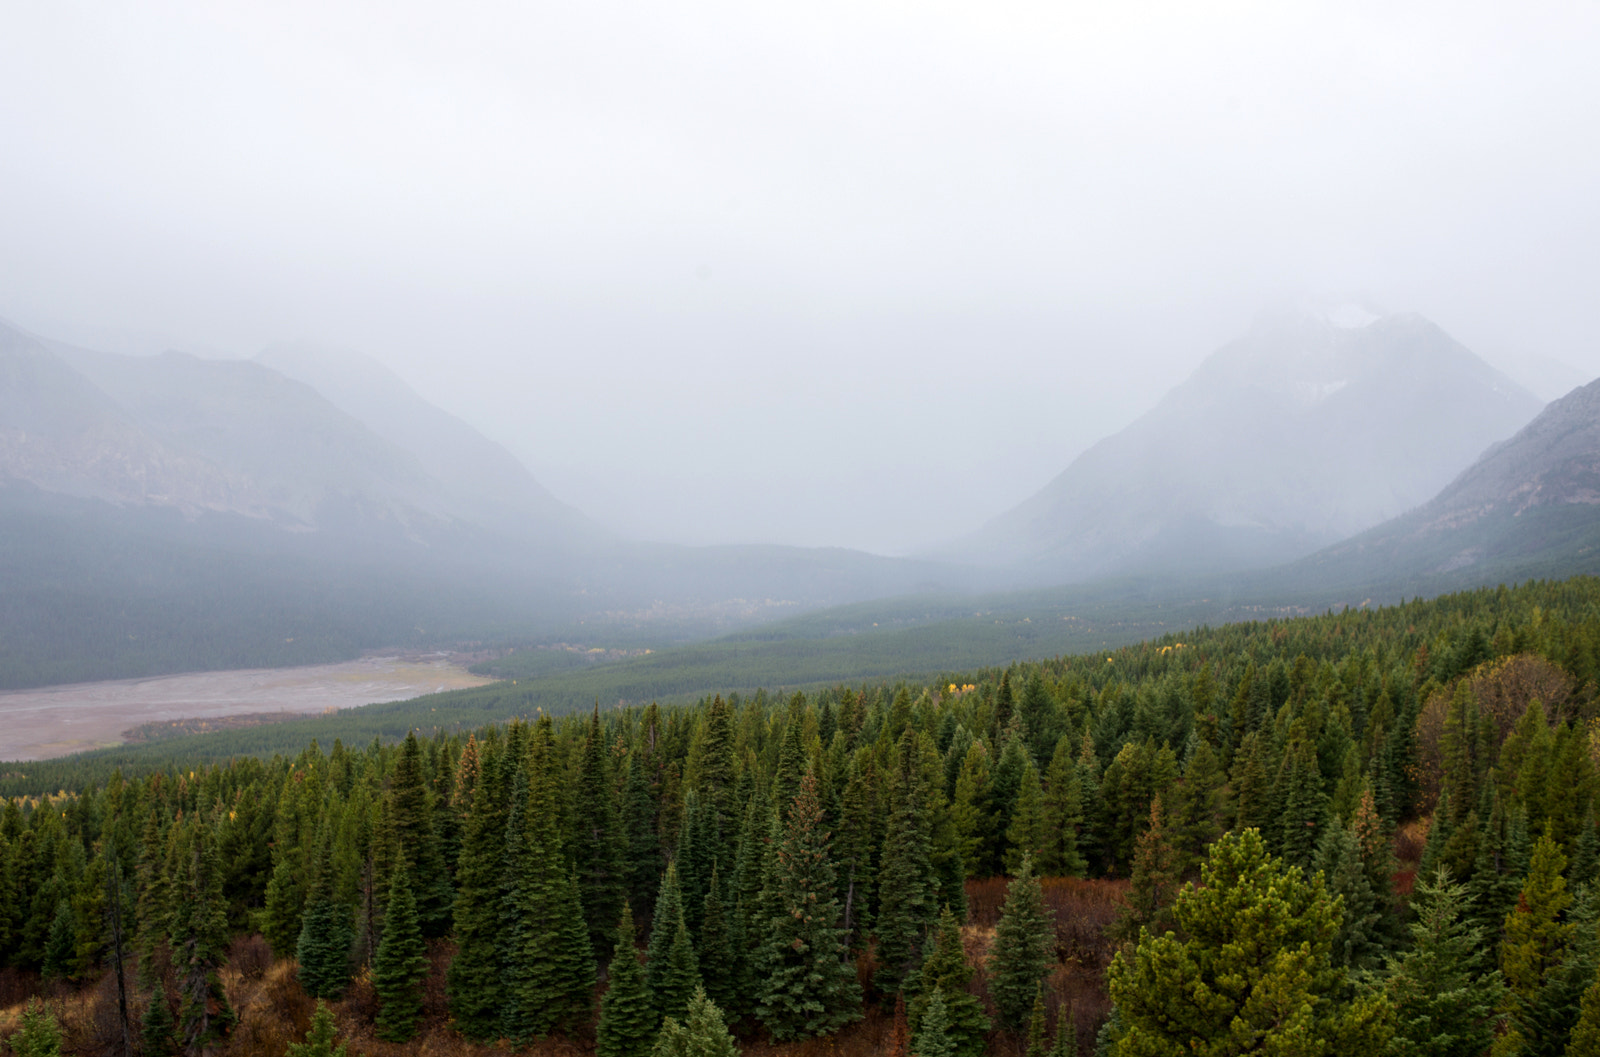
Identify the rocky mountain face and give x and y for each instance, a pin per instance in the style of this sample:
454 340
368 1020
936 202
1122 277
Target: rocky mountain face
1300 433
1529 507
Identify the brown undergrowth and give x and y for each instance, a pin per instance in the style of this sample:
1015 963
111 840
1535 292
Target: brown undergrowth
273 1011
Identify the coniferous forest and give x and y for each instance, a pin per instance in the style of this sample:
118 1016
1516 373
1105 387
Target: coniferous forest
1371 831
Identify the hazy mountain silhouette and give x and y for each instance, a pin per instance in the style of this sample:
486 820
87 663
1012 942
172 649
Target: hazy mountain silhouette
1302 432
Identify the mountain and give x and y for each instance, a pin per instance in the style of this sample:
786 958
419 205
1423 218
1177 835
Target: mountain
1530 507
478 477
1307 429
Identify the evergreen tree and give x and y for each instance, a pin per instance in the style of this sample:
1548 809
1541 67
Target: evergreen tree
38 1034
1026 836
199 940
718 964
324 949
1024 949
474 982
1585 1039
1363 926
627 1018
808 981
1063 812
597 843
670 966
60 944
643 858
415 838
907 889
933 1038
1304 804
1066 1044
1155 878
319 1039
1037 1026
1444 1004
946 970
401 963
155 1030
703 1033
1533 955
1252 972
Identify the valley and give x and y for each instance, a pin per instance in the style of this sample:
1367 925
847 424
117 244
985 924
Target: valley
59 720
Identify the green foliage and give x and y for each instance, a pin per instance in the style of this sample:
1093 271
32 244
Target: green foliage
627 1018
401 964
1445 1004
907 887
1024 948
324 949
671 967
320 1036
809 983
155 1028
946 970
1585 1039
1252 972
701 1034
933 1038
38 1035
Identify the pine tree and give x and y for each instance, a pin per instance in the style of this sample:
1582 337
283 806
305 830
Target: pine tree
643 858
1305 805
946 970
1024 948
1252 972
703 1032
401 963
155 1030
907 889
1363 928
1066 1044
319 1039
627 1019
1534 953
1444 1004
808 981
1155 878
1585 1038
933 1037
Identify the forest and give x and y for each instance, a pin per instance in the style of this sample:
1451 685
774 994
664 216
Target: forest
1373 829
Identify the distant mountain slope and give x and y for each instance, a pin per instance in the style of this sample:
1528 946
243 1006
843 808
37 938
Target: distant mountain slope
479 477
1300 433
1529 507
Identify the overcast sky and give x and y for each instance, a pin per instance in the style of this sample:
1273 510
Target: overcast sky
851 273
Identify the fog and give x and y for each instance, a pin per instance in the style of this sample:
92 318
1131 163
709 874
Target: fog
858 274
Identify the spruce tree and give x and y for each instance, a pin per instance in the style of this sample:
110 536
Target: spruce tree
155 1029
1445 1004
670 967
643 856
319 1038
1037 1026
474 982
1026 836
38 1034
1155 878
416 840
907 889
946 970
933 1038
1251 973
324 949
809 984
1024 949
1364 926
702 1033
401 963
199 939
597 843
718 964
627 1019
1534 954
1063 812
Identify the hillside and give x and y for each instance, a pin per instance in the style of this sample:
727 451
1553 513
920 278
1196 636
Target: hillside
1302 432
1529 507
